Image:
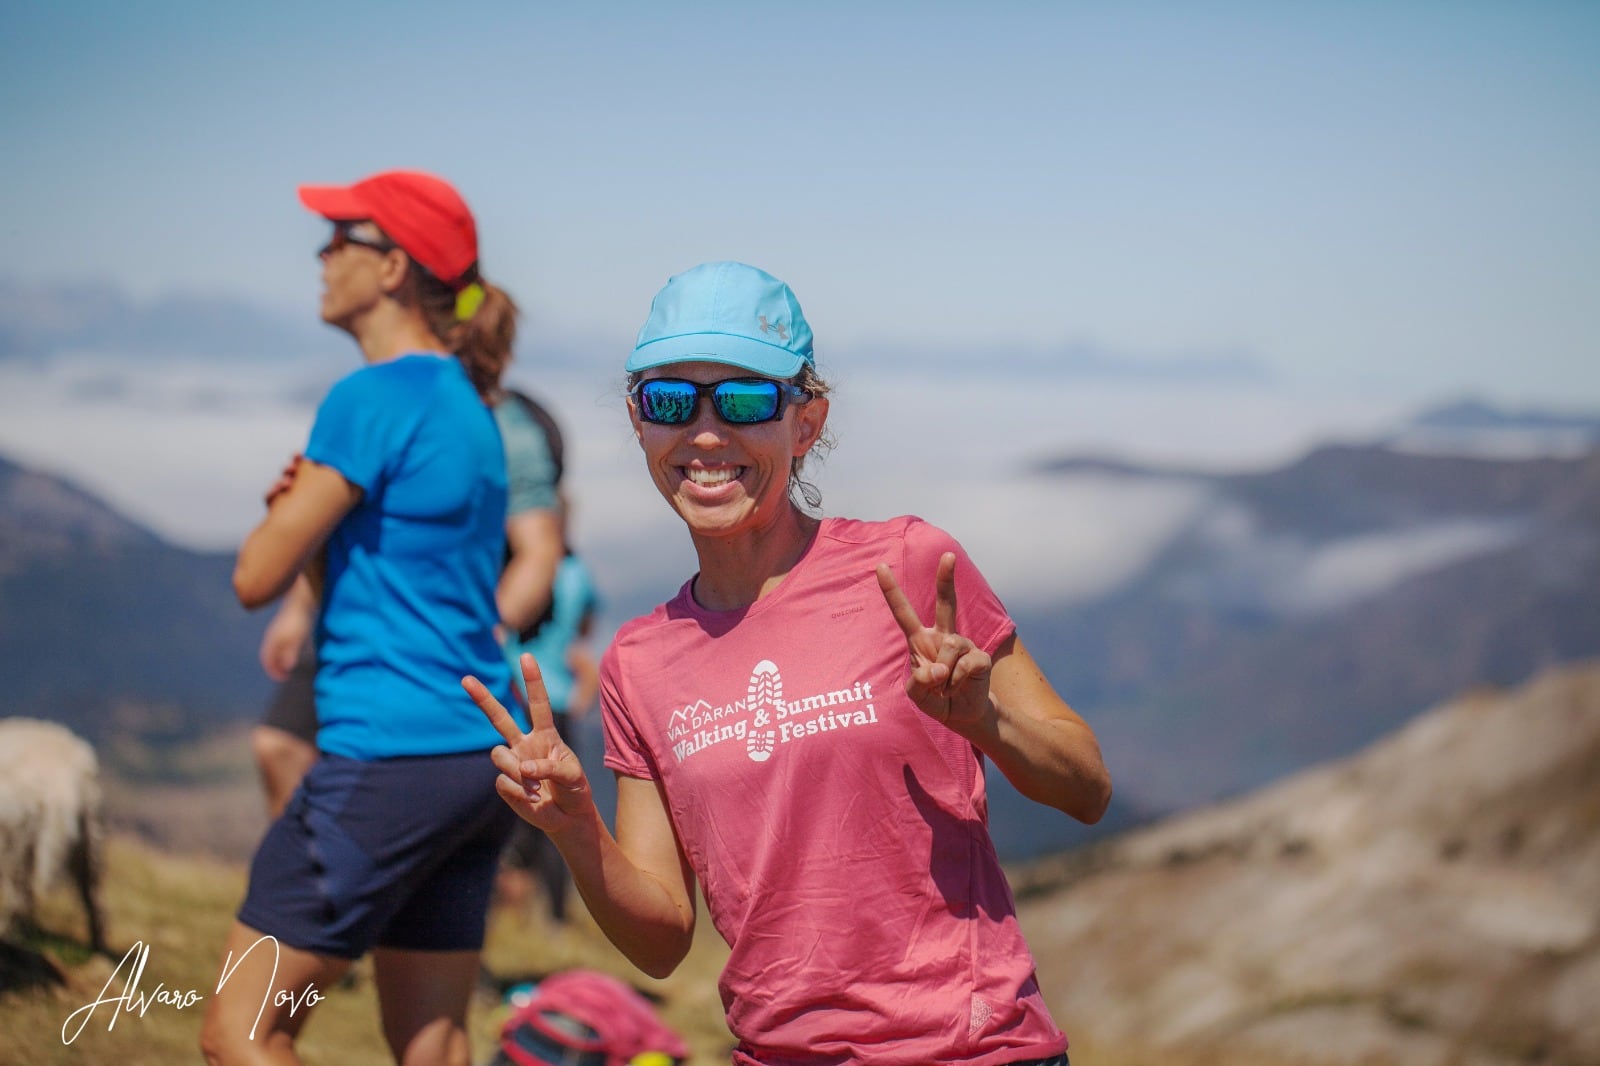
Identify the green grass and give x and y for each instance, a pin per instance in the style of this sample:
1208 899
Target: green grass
181 908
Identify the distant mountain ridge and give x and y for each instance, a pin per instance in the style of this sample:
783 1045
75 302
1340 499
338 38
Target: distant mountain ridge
39 321
109 629
1258 643
1475 427
1479 414
44 517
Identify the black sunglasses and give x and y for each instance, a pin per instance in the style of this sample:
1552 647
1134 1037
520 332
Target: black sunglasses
344 233
737 401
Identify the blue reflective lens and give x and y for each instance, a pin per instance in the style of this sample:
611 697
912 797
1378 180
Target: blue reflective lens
670 403
745 401
738 401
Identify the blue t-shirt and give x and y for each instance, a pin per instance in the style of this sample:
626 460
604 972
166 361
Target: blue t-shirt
408 603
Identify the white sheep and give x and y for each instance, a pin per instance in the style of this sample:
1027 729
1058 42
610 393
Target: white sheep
50 819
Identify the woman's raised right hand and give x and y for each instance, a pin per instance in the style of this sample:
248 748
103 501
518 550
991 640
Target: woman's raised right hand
540 776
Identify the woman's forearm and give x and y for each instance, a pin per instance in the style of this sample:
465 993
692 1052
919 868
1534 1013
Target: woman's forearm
299 521
646 917
1039 743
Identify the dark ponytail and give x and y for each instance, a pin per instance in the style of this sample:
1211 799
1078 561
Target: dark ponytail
482 341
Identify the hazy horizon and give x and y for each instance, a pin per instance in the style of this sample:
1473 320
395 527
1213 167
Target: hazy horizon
1389 198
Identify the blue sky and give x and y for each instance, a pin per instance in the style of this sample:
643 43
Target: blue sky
1383 196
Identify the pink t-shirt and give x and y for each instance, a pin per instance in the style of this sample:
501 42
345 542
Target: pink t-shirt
839 834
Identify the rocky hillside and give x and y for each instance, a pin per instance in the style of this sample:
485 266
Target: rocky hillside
1431 900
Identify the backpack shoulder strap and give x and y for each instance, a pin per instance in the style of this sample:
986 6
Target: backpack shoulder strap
547 423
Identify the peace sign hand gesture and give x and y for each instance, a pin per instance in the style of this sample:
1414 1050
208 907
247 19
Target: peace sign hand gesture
540 777
949 674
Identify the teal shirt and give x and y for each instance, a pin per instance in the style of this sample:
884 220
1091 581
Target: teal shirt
533 451
574 599
532 472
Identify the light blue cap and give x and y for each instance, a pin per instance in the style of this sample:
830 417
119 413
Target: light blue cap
725 313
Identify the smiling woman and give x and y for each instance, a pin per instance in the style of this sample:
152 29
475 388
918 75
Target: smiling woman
723 475
802 729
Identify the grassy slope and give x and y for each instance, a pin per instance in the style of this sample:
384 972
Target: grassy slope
181 906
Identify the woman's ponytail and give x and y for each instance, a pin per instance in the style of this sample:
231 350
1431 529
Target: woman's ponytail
478 324
483 341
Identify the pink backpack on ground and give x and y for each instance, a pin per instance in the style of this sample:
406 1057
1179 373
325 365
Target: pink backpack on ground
585 1018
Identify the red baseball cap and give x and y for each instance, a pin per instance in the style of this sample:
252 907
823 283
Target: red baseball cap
423 214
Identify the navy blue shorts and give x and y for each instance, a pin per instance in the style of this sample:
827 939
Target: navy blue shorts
397 853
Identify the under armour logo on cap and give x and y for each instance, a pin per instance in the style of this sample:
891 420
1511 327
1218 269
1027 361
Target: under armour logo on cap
774 327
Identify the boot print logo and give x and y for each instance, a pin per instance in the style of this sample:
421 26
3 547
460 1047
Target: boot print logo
764 698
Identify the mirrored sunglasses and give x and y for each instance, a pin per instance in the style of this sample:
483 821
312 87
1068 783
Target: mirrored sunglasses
737 401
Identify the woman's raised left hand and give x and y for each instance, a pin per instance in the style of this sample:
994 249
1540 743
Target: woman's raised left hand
949 673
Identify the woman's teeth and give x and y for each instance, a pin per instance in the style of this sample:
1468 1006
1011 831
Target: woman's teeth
708 478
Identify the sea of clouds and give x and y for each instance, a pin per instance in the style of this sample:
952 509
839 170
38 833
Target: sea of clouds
187 447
